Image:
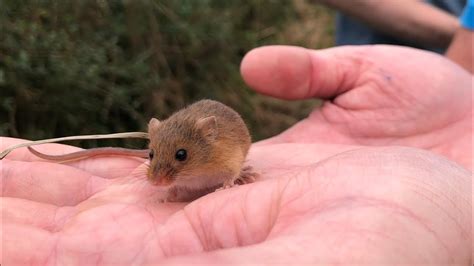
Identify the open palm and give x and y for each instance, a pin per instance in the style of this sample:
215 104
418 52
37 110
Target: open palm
301 211
316 202
379 95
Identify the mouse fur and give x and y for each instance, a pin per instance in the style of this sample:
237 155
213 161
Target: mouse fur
216 141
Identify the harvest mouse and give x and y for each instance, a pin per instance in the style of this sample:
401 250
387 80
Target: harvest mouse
196 150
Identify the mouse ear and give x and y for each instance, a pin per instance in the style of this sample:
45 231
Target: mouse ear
153 125
208 127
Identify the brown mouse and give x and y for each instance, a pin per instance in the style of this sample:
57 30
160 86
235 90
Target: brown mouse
195 151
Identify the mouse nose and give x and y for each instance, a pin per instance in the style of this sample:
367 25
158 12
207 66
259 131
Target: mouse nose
161 178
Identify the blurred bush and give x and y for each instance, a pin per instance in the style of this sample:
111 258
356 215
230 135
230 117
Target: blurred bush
87 67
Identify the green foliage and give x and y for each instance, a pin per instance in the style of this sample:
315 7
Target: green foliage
86 67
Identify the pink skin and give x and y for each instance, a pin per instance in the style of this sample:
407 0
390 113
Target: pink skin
328 198
380 96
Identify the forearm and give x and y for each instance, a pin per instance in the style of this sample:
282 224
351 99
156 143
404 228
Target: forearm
411 20
461 50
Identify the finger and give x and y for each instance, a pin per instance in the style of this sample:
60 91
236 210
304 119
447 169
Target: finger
103 166
26 245
47 182
290 72
45 216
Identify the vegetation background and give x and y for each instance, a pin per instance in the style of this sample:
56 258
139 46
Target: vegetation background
104 66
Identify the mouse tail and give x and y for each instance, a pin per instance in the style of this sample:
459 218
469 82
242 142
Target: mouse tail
106 151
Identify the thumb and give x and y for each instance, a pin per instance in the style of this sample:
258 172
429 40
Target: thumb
290 72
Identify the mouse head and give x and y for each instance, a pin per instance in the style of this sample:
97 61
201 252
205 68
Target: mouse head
179 148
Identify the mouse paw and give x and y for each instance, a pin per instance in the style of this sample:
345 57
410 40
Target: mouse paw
246 176
227 185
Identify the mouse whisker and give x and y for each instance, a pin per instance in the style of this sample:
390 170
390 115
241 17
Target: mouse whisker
138 174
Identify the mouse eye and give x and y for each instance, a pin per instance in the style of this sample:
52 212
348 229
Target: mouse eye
151 154
181 155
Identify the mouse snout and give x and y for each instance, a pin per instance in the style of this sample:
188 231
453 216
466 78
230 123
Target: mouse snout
161 177
161 181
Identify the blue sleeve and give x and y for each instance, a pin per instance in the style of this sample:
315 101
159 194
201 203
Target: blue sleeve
467 17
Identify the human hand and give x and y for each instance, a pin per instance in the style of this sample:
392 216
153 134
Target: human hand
319 205
314 204
379 95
